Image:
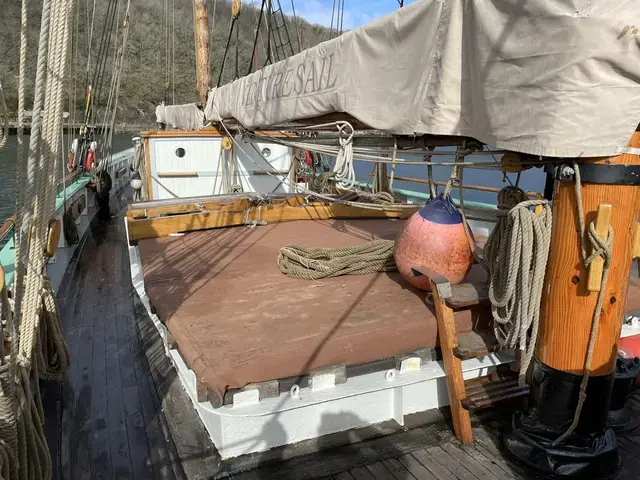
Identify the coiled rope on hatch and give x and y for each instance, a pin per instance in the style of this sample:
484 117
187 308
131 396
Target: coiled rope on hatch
314 263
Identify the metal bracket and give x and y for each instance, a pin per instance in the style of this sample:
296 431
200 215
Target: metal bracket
600 173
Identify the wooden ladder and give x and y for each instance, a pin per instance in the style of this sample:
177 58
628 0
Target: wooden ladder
477 393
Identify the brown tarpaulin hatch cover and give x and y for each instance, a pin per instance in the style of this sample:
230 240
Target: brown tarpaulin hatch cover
238 320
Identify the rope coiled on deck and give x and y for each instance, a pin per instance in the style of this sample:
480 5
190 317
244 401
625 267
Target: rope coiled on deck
516 258
313 263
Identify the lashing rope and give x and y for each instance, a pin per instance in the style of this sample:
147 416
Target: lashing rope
600 248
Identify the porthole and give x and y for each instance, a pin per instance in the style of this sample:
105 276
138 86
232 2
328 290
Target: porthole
180 152
266 152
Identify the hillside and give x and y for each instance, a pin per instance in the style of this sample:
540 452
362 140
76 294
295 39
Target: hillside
143 82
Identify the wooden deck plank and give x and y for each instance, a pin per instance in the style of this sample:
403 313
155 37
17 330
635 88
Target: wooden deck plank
488 461
116 351
100 452
443 458
397 469
361 473
344 476
470 463
440 471
79 407
379 472
419 471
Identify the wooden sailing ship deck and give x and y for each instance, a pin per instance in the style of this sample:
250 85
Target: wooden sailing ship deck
122 412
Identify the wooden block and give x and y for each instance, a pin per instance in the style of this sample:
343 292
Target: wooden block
452 367
53 237
603 220
635 252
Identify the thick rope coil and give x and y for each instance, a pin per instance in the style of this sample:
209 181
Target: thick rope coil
600 248
311 263
516 258
378 198
53 355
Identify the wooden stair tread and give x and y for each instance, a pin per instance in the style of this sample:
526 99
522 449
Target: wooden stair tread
466 295
476 343
486 391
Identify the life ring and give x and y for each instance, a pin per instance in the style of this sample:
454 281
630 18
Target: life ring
88 162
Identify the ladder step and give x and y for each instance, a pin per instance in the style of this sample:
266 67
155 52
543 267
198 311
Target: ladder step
487 391
465 295
474 344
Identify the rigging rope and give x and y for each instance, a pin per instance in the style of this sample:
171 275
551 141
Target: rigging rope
24 453
4 119
600 248
312 263
516 258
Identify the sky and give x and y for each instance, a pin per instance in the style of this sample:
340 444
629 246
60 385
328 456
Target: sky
356 12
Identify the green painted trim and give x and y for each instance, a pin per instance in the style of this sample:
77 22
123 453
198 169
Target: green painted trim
7 252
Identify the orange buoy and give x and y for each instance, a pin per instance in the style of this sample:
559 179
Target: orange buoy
433 241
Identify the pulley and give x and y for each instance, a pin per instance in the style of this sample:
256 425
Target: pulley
236 8
226 143
511 162
53 237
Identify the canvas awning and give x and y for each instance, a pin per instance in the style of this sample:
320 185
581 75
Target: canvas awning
546 77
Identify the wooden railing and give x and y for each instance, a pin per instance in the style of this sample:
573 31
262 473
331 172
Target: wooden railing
464 186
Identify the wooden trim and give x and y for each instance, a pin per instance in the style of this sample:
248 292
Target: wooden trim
230 216
479 188
211 131
147 167
453 368
197 207
177 174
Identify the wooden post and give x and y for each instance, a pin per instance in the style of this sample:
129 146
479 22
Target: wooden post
567 304
201 16
566 318
452 366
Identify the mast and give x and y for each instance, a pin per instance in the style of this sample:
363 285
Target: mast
201 18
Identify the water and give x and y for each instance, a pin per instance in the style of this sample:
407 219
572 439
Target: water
8 170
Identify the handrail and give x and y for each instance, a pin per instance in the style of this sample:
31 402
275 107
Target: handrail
464 186
8 225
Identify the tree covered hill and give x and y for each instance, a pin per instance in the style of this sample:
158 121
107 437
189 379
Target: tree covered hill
157 28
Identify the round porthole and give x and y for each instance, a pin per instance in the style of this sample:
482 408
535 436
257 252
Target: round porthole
266 152
180 152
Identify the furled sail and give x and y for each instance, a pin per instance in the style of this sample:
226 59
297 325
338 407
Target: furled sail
546 77
185 117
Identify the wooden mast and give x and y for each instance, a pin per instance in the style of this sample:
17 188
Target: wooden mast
567 310
567 303
201 17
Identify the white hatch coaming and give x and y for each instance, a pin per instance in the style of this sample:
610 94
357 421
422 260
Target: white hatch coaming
188 166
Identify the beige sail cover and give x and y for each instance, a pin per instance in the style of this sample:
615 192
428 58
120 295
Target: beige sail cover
184 117
547 77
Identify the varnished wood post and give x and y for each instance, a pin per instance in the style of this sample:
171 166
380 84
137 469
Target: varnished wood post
566 319
201 16
567 304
